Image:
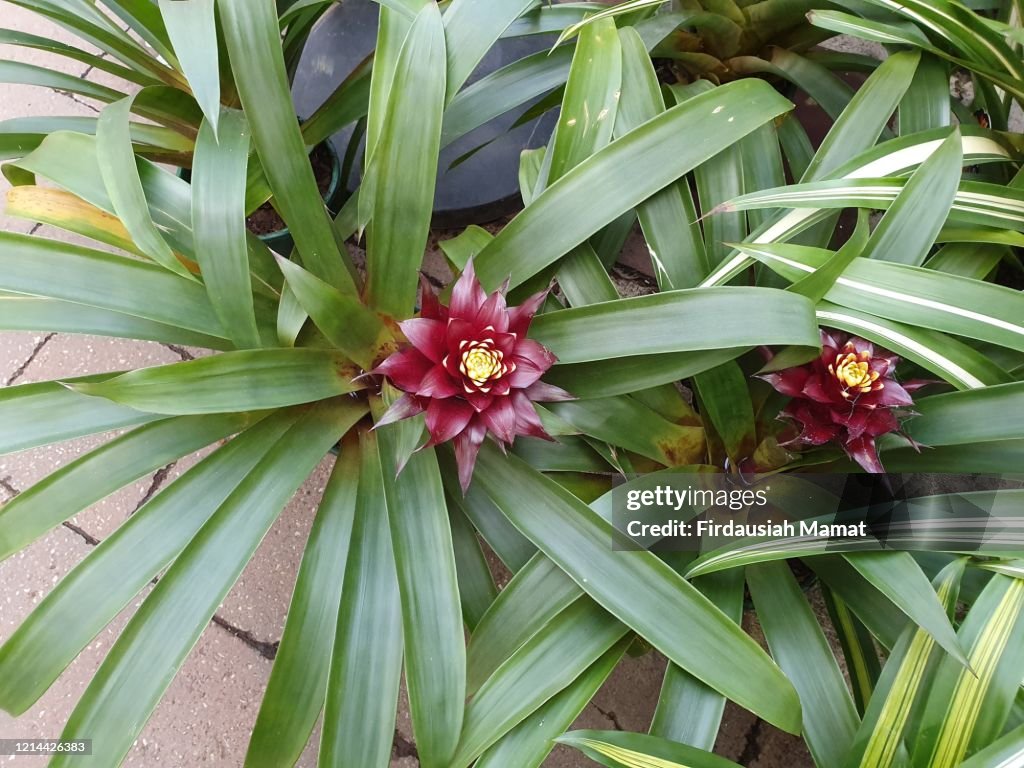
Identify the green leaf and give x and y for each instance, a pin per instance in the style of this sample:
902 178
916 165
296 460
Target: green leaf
547 663
903 681
526 745
366 666
618 749
253 41
952 725
346 322
898 577
511 547
636 586
862 122
925 105
229 382
145 658
888 159
688 711
121 178
912 295
659 152
859 649
218 221
407 150
26 40
504 89
470 29
981 415
48 412
58 270
346 104
534 596
585 123
435 657
725 397
192 30
93 593
623 375
101 472
1005 752
908 229
668 218
677 321
298 680
630 424
29 74
798 645
816 285
26 313
476 585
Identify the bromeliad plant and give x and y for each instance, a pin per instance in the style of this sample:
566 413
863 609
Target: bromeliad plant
316 351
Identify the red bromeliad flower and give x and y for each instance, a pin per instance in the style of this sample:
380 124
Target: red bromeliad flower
847 395
472 369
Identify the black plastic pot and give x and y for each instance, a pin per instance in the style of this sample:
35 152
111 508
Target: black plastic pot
480 188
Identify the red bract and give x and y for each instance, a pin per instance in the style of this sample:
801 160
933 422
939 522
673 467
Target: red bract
847 395
470 367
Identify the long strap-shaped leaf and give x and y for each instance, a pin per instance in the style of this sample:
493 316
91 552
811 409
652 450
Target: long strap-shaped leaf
798 645
547 663
619 749
689 711
887 159
28 313
298 681
58 270
192 29
94 592
99 473
635 587
669 217
952 724
943 302
880 736
982 415
366 664
585 122
435 656
230 382
254 42
660 151
526 745
470 29
49 412
156 641
677 321
406 150
218 222
975 202
121 178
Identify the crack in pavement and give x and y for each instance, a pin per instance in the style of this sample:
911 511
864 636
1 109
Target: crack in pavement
5 483
402 747
265 649
610 716
181 352
32 356
752 747
91 540
159 478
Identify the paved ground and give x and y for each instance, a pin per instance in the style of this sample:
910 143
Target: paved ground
207 713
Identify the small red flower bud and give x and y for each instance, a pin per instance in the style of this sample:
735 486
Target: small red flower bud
847 395
470 367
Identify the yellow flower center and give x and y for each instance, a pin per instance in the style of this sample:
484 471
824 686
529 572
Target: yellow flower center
481 363
854 372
